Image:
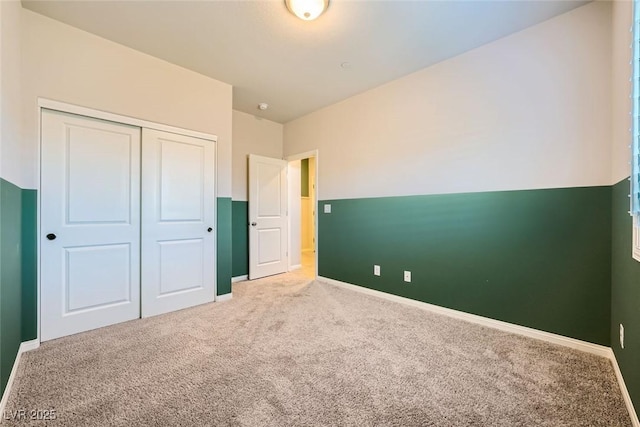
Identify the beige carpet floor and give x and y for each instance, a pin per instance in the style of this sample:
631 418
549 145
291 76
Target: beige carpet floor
286 351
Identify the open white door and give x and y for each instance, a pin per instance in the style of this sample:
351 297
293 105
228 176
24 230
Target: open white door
178 238
90 222
267 216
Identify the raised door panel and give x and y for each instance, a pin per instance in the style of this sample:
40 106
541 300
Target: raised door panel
182 181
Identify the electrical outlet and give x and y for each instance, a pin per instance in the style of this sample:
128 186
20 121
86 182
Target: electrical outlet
327 208
407 276
621 335
376 270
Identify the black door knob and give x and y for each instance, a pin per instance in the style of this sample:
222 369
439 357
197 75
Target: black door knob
253 224
51 236
209 229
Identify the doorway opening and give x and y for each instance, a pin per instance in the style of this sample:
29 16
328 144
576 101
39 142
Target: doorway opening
303 202
283 229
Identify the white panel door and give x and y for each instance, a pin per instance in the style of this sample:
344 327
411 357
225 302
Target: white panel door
90 224
268 227
178 236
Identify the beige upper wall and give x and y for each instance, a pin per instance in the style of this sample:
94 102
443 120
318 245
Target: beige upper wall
532 110
252 135
621 70
10 111
66 64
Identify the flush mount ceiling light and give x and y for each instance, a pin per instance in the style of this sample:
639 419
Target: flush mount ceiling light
307 10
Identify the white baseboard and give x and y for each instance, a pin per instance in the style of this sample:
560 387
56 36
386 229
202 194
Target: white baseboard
223 298
295 267
588 347
29 345
623 389
24 347
239 278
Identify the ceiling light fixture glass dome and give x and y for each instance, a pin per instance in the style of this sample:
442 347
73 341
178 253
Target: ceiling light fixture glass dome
307 10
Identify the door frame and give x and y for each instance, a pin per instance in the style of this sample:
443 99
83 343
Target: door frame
305 155
49 104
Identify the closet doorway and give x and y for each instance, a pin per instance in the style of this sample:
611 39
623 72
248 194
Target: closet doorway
126 222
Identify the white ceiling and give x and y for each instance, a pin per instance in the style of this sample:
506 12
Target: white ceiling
268 55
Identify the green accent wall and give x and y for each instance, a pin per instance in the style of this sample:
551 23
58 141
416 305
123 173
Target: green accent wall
537 258
10 277
224 245
625 292
240 238
558 260
304 177
29 265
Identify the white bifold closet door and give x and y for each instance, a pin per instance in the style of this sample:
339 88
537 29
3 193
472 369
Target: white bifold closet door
127 218
90 224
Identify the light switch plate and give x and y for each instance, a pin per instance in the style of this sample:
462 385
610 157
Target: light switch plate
327 208
376 270
407 276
